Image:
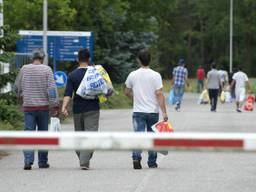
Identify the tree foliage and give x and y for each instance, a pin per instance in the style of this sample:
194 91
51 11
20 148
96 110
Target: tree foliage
197 30
10 116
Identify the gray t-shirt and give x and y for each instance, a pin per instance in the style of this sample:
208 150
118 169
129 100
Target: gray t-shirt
213 79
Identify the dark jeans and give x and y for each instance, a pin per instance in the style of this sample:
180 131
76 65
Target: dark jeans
140 122
213 95
200 86
40 120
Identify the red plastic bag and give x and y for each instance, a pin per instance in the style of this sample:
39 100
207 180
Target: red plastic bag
162 126
249 103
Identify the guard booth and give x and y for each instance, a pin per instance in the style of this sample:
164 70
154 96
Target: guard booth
61 46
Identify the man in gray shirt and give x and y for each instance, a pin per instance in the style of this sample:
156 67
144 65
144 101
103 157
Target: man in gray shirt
213 85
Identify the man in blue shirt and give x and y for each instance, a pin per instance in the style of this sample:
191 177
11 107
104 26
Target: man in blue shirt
180 75
85 111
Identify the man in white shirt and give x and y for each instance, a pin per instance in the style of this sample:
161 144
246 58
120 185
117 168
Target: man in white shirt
145 87
240 80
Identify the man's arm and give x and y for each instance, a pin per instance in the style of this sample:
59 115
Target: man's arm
186 78
161 101
17 85
172 81
65 103
53 94
128 92
232 84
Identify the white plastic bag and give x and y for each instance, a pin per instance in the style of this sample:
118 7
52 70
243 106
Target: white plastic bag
92 84
54 124
228 98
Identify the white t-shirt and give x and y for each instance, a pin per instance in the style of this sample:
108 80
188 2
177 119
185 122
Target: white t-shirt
240 78
144 82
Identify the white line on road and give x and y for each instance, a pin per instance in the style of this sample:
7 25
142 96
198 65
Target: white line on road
145 180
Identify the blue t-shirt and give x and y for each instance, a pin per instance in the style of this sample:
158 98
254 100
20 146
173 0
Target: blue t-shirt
80 105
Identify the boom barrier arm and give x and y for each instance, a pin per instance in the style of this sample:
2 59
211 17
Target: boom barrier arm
18 140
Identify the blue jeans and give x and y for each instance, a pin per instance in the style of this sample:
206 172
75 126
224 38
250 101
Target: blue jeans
178 94
140 122
35 119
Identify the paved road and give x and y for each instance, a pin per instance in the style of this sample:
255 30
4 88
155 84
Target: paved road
177 172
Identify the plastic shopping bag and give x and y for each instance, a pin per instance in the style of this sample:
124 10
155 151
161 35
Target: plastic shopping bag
54 124
228 98
92 84
204 97
222 97
162 127
249 103
105 76
171 99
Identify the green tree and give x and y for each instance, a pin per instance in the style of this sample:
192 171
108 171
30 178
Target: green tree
10 116
28 15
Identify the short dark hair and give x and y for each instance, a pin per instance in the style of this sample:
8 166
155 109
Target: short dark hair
83 55
239 67
213 65
144 57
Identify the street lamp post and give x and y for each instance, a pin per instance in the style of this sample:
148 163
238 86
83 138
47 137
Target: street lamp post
45 23
231 38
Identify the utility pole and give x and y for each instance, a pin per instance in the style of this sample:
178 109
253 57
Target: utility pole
231 38
45 23
1 18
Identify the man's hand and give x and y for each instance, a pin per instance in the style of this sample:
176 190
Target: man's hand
165 116
64 112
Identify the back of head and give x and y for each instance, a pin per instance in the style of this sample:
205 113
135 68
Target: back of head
38 54
213 64
181 62
83 55
240 68
144 57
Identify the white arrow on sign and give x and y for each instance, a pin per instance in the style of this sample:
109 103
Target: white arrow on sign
59 79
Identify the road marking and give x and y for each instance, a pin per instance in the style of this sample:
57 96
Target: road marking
144 183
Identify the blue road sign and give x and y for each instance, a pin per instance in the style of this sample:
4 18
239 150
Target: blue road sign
62 45
60 78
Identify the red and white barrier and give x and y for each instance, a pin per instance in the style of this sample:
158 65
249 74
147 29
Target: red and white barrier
16 140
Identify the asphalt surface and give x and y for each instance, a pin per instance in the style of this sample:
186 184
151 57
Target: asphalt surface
178 172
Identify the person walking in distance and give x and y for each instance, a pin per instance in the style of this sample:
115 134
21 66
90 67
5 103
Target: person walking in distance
85 111
145 87
213 85
200 74
240 79
35 87
180 78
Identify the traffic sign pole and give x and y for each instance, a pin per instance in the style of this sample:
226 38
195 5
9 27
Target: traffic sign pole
45 23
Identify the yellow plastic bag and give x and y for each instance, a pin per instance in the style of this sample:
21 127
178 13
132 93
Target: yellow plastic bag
222 97
105 76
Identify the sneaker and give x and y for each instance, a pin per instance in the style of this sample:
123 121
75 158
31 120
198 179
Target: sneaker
85 166
44 166
177 108
136 164
153 166
239 111
27 166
